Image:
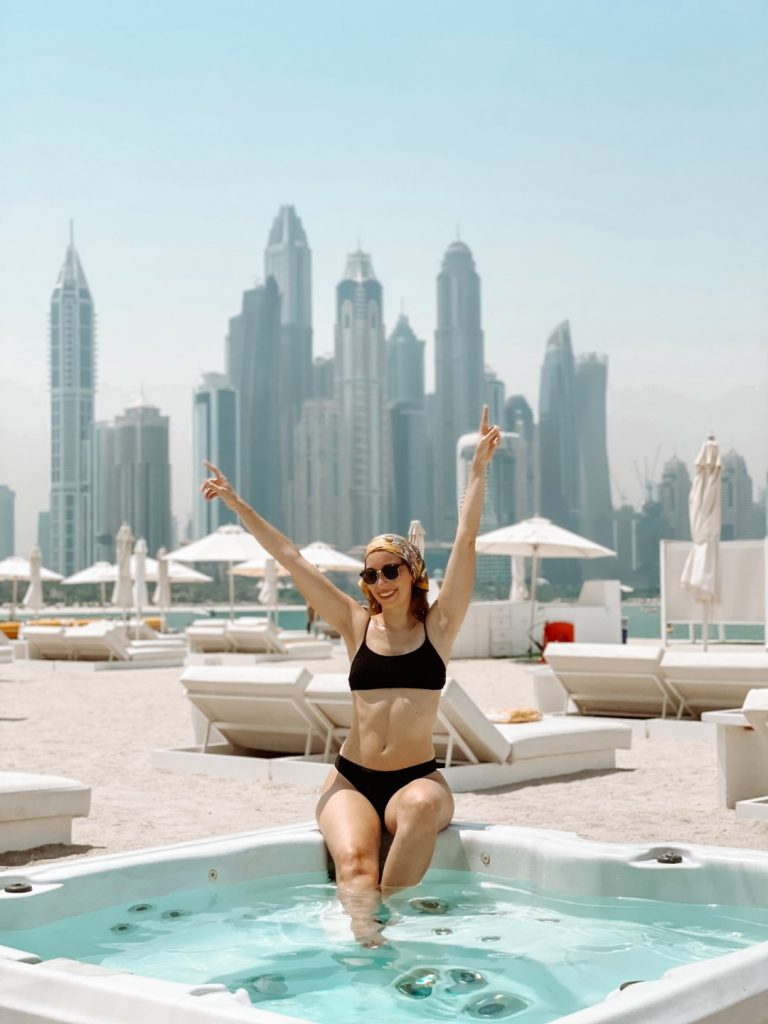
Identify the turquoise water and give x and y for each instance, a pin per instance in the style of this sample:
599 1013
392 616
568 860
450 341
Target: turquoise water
458 947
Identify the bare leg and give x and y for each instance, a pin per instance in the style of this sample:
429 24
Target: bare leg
414 815
352 833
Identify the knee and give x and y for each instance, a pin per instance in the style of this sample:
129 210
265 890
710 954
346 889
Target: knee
357 866
420 809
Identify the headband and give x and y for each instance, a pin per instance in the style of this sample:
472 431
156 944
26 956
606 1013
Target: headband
403 548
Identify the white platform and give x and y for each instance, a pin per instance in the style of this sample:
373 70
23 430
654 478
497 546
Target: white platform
36 810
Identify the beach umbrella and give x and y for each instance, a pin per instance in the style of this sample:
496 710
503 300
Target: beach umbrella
538 538
327 559
33 599
16 570
230 544
258 567
416 535
162 594
139 573
700 572
99 573
268 589
122 595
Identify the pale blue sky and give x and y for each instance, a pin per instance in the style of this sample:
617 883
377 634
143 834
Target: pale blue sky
606 162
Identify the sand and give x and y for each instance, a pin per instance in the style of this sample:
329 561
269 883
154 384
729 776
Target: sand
100 728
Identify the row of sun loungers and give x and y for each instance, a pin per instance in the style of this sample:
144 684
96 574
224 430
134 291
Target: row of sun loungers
284 724
636 680
256 636
102 641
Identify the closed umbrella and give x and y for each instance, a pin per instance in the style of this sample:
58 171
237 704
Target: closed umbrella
230 544
538 538
162 594
140 595
700 572
33 599
416 535
268 589
15 570
122 595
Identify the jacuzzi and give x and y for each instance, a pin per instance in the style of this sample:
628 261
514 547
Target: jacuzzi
724 989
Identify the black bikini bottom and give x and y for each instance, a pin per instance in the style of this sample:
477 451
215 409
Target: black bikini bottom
379 787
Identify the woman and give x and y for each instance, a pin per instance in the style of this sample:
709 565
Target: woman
386 777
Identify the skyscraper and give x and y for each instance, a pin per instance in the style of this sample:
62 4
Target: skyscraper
7 521
253 369
73 384
558 444
359 365
595 505
106 519
674 490
288 262
143 474
214 439
459 375
518 419
316 472
494 393
742 517
411 479
405 364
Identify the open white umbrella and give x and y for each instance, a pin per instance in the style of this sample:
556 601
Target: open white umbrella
101 573
230 544
18 570
327 559
538 538
700 572
122 595
140 595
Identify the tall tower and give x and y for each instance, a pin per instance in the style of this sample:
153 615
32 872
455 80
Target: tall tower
360 375
253 369
674 491
558 445
288 262
143 474
411 462
106 518
214 439
595 506
405 364
7 521
459 374
518 419
73 384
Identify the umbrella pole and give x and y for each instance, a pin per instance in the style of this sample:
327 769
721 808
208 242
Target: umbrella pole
534 577
705 627
231 592
14 597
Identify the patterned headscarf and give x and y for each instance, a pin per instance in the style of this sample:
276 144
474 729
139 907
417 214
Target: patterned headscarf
403 548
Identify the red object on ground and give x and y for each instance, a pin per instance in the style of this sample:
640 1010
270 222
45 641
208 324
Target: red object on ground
558 632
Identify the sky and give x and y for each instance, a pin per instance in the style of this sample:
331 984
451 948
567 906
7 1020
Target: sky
606 162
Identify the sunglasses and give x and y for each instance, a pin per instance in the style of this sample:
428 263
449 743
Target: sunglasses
390 571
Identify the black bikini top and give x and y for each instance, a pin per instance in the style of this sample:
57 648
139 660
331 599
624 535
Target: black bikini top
422 669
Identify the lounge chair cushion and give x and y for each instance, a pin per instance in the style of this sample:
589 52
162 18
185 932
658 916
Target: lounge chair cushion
24 795
555 735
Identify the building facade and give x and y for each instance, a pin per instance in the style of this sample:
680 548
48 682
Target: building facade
106 517
741 517
674 491
72 354
459 375
518 419
317 472
215 438
7 521
595 505
143 474
558 442
360 386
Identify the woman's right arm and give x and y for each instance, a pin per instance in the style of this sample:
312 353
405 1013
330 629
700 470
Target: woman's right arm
337 608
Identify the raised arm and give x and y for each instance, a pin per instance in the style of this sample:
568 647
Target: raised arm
336 607
447 614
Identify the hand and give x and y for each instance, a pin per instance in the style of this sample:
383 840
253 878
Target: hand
217 486
488 441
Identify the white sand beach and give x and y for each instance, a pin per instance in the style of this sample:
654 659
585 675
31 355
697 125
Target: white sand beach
100 728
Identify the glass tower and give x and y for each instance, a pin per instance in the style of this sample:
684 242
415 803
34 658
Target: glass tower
73 383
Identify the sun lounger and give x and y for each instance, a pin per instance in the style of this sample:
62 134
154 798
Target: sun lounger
208 635
46 643
38 809
100 641
6 651
247 714
712 680
620 680
742 755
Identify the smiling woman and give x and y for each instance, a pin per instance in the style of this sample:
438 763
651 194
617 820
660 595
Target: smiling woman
385 779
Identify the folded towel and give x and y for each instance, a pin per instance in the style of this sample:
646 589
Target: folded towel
511 716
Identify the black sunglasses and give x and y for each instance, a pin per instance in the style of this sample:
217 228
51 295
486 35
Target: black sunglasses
390 571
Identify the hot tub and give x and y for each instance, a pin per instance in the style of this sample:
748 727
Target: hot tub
525 888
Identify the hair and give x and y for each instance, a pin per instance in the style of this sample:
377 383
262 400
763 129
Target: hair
418 608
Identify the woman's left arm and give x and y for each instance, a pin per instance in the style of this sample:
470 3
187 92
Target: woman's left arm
449 610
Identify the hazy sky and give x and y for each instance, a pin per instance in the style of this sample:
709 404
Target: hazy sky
607 162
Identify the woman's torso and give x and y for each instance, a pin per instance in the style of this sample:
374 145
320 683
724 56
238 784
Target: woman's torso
392 723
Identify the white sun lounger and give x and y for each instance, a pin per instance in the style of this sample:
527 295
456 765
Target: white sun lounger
46 643
742 755
242 718
713 680
620 680
477 753
6 651
38 809
205 635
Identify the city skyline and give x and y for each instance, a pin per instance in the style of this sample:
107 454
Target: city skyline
615 184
